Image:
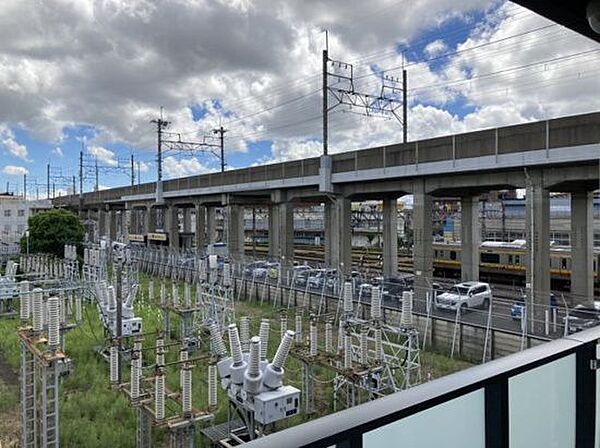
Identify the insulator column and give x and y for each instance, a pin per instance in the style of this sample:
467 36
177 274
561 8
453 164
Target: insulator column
347 351
348 304
364 345
217 344
298 328
212 386
53 323
283 321
114 364
25 305
263 333
313 334
328 336
37 309
186 389
159 394
245 332
376 303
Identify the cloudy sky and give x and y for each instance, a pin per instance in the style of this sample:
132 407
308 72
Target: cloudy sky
91 74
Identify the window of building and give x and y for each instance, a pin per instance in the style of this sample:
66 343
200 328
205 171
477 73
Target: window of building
563 263
510 259
6 228
21 228
452 255
517 259
21 213
7 213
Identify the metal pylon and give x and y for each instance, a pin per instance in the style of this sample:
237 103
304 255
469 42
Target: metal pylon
143 434
49 405
307 389
182 437
28 399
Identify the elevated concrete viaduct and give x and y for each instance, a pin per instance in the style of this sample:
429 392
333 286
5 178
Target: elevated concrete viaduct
542 157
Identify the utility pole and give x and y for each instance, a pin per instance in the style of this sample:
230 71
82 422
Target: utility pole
80 174
404 104
96 169
221 131
138 170
48 181
325 93
74 187
132 172
25 186
160 125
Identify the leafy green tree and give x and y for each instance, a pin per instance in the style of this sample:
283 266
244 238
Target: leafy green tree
49 232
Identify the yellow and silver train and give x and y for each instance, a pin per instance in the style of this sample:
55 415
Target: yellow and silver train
508 260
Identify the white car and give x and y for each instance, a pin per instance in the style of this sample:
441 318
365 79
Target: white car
465 295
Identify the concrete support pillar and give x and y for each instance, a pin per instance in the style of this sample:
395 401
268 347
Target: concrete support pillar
470 237
423 241
102 221
148 220
112 225
338 234
582 242
235 231
537 222
187 220
200 229
390 237
211 224
172 226
281 231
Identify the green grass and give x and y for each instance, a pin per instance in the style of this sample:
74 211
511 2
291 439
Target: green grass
94 415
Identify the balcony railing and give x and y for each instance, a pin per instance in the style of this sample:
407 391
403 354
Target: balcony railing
545 397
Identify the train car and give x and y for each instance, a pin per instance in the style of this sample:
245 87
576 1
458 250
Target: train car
508 261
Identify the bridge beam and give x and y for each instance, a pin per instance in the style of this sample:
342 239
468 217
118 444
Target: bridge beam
423 240
470 237
390 237
537 219
582 253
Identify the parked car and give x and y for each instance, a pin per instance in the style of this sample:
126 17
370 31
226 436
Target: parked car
256 269
516 310
322 277
582 317
465 295
300 275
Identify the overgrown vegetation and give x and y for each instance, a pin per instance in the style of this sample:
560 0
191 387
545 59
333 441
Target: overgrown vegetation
49 231
93 415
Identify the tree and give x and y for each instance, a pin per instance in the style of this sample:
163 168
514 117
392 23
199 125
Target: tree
49 232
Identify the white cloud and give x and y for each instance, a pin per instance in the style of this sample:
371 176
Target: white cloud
184 167
144 167
13 170
105 156
58 151
7 138
67 62
293 149
435 48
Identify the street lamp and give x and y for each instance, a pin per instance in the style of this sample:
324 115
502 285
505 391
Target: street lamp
27 237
